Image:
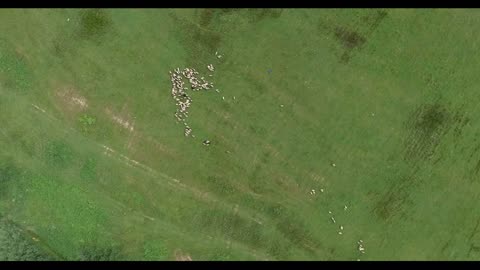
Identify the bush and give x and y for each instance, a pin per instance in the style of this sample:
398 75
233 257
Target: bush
14 246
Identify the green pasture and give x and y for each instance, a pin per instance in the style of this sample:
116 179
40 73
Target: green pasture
375 107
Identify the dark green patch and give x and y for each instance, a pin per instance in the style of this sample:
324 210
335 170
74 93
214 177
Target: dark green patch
14 71
220 185
224 11
94 23
87 122
259 14
474 156
15 246
9 172
373 20
354 39
58 154
221 254
206 17
59 47
474 249
64 43
256 175
292 227
255 179
89 169
279 249
253 15
98 253
427 126
350 40
461 121
155 251
201 43
445 247
230 225
202 38
393 202
477 167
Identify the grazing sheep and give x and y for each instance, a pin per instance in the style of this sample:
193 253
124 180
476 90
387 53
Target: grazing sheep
183 100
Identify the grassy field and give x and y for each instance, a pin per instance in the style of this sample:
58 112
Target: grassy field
376 108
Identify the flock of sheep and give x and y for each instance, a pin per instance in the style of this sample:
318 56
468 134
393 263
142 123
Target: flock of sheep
179 92
184 101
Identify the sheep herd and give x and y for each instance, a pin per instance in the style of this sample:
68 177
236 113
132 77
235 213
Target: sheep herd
179 91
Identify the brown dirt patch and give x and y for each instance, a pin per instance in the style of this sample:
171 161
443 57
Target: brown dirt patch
181 256
123 118
72 98
20 51
69 100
